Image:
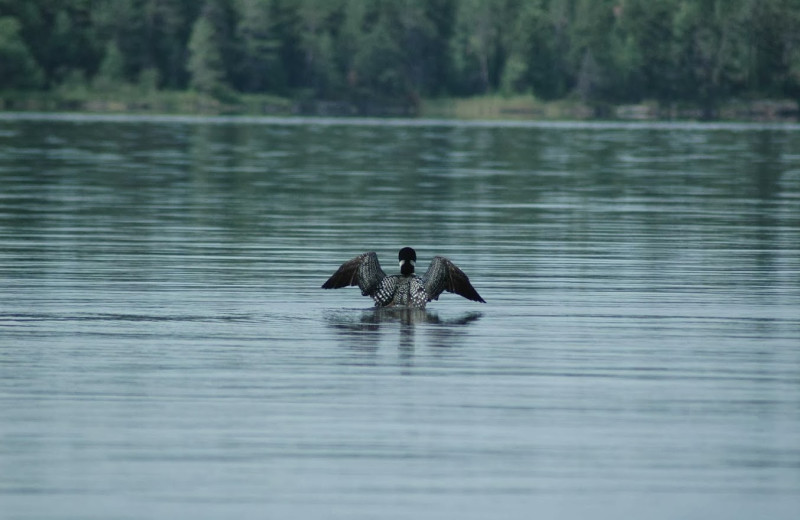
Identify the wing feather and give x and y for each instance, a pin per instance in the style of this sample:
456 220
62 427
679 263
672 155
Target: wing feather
364 271
443 275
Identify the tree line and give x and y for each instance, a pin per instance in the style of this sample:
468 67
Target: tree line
400 51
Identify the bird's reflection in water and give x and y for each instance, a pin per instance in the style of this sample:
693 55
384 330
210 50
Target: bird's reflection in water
362 331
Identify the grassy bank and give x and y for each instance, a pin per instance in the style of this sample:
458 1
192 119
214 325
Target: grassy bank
132 99
528 107
138 99
504 107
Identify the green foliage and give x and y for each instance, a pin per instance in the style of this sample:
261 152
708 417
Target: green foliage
259 68
205 58
18 68
112 69
368 52
474 46
534 59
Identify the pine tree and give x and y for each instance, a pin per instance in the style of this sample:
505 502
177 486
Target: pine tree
112 68
18 68
205 59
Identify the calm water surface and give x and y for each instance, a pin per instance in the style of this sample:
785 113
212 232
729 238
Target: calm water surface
166 352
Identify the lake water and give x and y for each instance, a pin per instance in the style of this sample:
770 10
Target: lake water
166 350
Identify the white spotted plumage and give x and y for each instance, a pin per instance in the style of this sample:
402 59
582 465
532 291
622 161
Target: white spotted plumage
406 289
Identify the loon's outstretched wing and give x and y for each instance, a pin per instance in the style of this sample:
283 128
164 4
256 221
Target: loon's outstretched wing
443 275
364 271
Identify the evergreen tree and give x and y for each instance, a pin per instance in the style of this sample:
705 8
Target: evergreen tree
591 51
18 68
712 55
112 68
474 45
317 25
533 62
260 68
377 62
395 51
644 50
205 58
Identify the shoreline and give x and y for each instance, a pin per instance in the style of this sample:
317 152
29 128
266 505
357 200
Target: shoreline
489 107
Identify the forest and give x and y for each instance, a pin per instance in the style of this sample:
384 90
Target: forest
370 53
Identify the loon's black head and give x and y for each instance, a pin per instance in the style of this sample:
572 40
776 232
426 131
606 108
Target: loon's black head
408 258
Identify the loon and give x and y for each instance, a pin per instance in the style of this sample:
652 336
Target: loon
405 289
